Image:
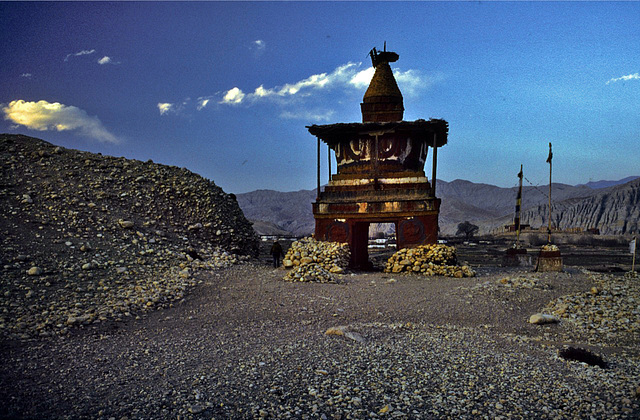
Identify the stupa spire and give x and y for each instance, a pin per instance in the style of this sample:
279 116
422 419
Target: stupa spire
383 100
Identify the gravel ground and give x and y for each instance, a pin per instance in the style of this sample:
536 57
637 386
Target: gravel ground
246 344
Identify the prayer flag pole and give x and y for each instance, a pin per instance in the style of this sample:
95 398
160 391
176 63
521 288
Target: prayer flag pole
632 250
318 174
549 162
516 222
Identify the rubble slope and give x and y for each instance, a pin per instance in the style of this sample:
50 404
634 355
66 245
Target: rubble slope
88 237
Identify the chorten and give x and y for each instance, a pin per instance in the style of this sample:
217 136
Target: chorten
380 175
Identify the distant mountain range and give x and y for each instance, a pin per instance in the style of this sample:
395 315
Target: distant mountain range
611 206
605 184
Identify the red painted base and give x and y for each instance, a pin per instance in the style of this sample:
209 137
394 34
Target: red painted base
410 232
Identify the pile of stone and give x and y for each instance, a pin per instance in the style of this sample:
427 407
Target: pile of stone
88 238
610 308
523 282
550 248
312 272
316 261
428 260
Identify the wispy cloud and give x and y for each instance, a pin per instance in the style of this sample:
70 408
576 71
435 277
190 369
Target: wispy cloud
634 76
258 47
346 76
413 81
307 92
27 75
165 107
79 53
303 87
317 115
203 102
43 116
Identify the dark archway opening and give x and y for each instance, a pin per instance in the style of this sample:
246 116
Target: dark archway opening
382 244
372 243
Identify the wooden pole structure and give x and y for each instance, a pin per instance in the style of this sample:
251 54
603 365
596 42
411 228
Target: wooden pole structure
633 261
318 191
329 155
375 156
516 222
433 167
550 165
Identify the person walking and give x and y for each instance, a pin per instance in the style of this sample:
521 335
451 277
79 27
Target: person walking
276 252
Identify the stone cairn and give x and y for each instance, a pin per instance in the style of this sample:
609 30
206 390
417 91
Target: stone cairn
316 261
549 248
429 260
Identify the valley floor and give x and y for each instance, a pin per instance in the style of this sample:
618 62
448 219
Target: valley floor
245 344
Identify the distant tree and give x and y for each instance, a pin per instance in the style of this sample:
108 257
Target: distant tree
380 235
467 229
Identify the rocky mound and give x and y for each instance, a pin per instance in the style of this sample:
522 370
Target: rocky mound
610 308
316 261
88 238
429 260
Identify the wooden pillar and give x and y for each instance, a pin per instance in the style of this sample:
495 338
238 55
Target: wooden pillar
375 163
318 190
435 164
329 155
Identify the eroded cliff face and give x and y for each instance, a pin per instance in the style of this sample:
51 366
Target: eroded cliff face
614 211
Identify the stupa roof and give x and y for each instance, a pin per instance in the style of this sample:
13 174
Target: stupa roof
335 133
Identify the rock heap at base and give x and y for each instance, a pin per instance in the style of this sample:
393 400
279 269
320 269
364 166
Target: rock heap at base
316 261
429 260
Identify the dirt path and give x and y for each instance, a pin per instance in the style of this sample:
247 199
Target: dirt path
245 344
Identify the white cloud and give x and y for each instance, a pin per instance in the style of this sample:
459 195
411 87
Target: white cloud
634 76
233 96
165 107
83 52
107 60
27 75
259 44
43 116
362 78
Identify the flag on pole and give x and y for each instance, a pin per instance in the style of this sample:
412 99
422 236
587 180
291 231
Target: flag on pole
550 154
632 246
516 220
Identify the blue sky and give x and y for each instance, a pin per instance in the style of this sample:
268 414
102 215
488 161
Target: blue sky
225 89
